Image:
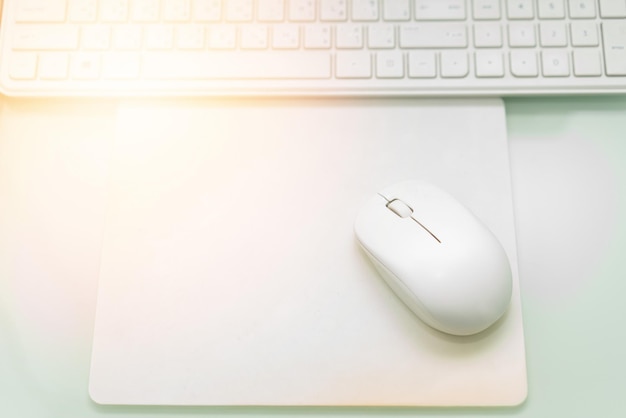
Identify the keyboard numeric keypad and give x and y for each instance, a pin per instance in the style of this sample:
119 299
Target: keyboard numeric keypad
524 64
552 34
522 35
555 63
489 64
584 34
587 63
486 9
551 9
520 9
582 9
487 35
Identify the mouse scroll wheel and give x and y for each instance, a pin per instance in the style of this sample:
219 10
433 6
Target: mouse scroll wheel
400 208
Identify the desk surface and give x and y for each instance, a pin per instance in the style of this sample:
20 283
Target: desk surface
568 160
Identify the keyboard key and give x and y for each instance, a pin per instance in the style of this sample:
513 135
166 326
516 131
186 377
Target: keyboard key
286 36
440 9
83 10
159 37
524 64
301 10
381 36
610 9
23 65
433 35
396 10
96 37
364 10
333 10
45 37
582 9
53 65
85 66
520 9
244 65
222 37
32 11
454 64
176 10
239 10
522 35
587 63
317 36
254 37
614 37
584 34
120 65
190 36
551 9
206 10
422 64
552 34
353 65
489 64
127 37
349 36
555 63
487 35
486 9
271 10
114 10
145 10
389 64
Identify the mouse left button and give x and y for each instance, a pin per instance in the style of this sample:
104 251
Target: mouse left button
400 208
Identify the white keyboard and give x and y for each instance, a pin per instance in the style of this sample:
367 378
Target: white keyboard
312 47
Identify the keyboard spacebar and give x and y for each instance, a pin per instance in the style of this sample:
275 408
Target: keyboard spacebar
236 65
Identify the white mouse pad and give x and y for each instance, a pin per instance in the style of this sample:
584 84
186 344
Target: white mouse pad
231 275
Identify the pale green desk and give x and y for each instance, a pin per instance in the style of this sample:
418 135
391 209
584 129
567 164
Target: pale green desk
568 158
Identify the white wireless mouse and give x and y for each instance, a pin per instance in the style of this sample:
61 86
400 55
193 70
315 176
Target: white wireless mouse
440 260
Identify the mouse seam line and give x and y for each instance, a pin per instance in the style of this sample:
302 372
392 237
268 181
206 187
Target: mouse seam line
426 229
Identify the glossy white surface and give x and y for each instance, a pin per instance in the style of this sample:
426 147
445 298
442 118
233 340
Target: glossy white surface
440 259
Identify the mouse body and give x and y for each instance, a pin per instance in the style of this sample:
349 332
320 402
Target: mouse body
439 258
